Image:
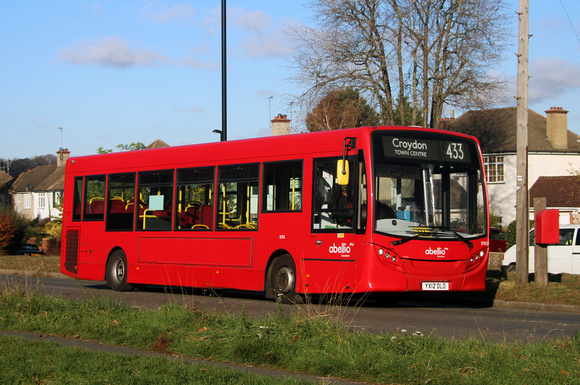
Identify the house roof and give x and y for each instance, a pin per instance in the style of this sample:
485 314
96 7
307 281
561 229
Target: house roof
559 191
496 131
4 178
158 144
40 178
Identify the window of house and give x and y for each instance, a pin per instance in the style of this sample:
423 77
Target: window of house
42 200
27 200
494 167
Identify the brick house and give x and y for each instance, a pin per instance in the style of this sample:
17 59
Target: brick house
562 193
553 150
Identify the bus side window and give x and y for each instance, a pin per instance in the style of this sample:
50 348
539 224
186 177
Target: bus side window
94 198
237 195
333 203
121 202
155 197
282 185
194 198
77 198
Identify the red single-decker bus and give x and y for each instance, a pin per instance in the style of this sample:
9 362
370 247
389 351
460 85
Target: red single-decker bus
363 210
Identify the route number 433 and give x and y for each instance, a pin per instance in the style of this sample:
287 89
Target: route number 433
454 151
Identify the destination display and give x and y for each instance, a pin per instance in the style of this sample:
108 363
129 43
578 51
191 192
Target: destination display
401 147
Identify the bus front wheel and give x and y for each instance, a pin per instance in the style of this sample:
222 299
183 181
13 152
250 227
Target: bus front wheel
116 274
283 279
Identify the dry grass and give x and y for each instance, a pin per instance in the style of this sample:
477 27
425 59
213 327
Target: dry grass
41 263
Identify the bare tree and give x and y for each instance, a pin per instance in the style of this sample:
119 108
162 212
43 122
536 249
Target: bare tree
431 52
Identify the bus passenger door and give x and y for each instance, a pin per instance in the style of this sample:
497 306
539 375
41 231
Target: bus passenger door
336 238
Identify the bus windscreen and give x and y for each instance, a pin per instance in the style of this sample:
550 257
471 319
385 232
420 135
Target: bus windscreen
428 186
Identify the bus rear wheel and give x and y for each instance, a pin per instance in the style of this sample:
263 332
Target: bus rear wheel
116 274
283 279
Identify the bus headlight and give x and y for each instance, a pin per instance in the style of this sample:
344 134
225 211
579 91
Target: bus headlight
389 257
475 259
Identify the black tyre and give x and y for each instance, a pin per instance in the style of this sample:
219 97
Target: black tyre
116 274
283 279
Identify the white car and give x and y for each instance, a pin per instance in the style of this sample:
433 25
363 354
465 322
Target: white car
562 258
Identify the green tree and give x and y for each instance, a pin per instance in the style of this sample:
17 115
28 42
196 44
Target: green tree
411 116
342 108
122 147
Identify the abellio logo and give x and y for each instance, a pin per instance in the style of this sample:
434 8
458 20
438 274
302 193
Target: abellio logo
341 249
438 252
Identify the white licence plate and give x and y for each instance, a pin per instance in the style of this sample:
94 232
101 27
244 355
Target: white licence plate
435 286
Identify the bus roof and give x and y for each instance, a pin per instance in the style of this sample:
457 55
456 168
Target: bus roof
321 143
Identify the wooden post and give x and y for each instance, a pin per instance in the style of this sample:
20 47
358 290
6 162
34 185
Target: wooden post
522 204
540 251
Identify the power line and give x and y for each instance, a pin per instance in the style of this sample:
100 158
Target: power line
570 20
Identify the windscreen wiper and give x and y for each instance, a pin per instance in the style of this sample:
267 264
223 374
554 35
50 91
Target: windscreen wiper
404 240
457 235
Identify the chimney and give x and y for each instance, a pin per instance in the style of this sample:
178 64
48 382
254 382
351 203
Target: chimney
61 157
280 125
557 127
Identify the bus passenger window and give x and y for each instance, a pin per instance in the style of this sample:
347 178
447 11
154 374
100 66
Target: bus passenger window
121 202
77 198
333 204
155 196
194 198
94 198
282 186
237 206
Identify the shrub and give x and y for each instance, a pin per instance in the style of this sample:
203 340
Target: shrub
14 230
8 230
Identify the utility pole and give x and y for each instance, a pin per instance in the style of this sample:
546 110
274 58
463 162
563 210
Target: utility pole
270 109
522 204
224 131
61 141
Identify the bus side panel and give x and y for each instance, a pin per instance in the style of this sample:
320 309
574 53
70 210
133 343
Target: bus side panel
93 251
235 251
323 276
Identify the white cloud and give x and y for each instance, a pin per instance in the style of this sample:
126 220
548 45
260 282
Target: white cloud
552 77
195 63
251 21
111 52
272 44
180 12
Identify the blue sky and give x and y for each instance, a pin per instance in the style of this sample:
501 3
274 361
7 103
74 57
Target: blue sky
114 71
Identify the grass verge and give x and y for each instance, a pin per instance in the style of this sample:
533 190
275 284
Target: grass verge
32 362
306 344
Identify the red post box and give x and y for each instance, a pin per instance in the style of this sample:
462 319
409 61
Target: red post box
548 227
